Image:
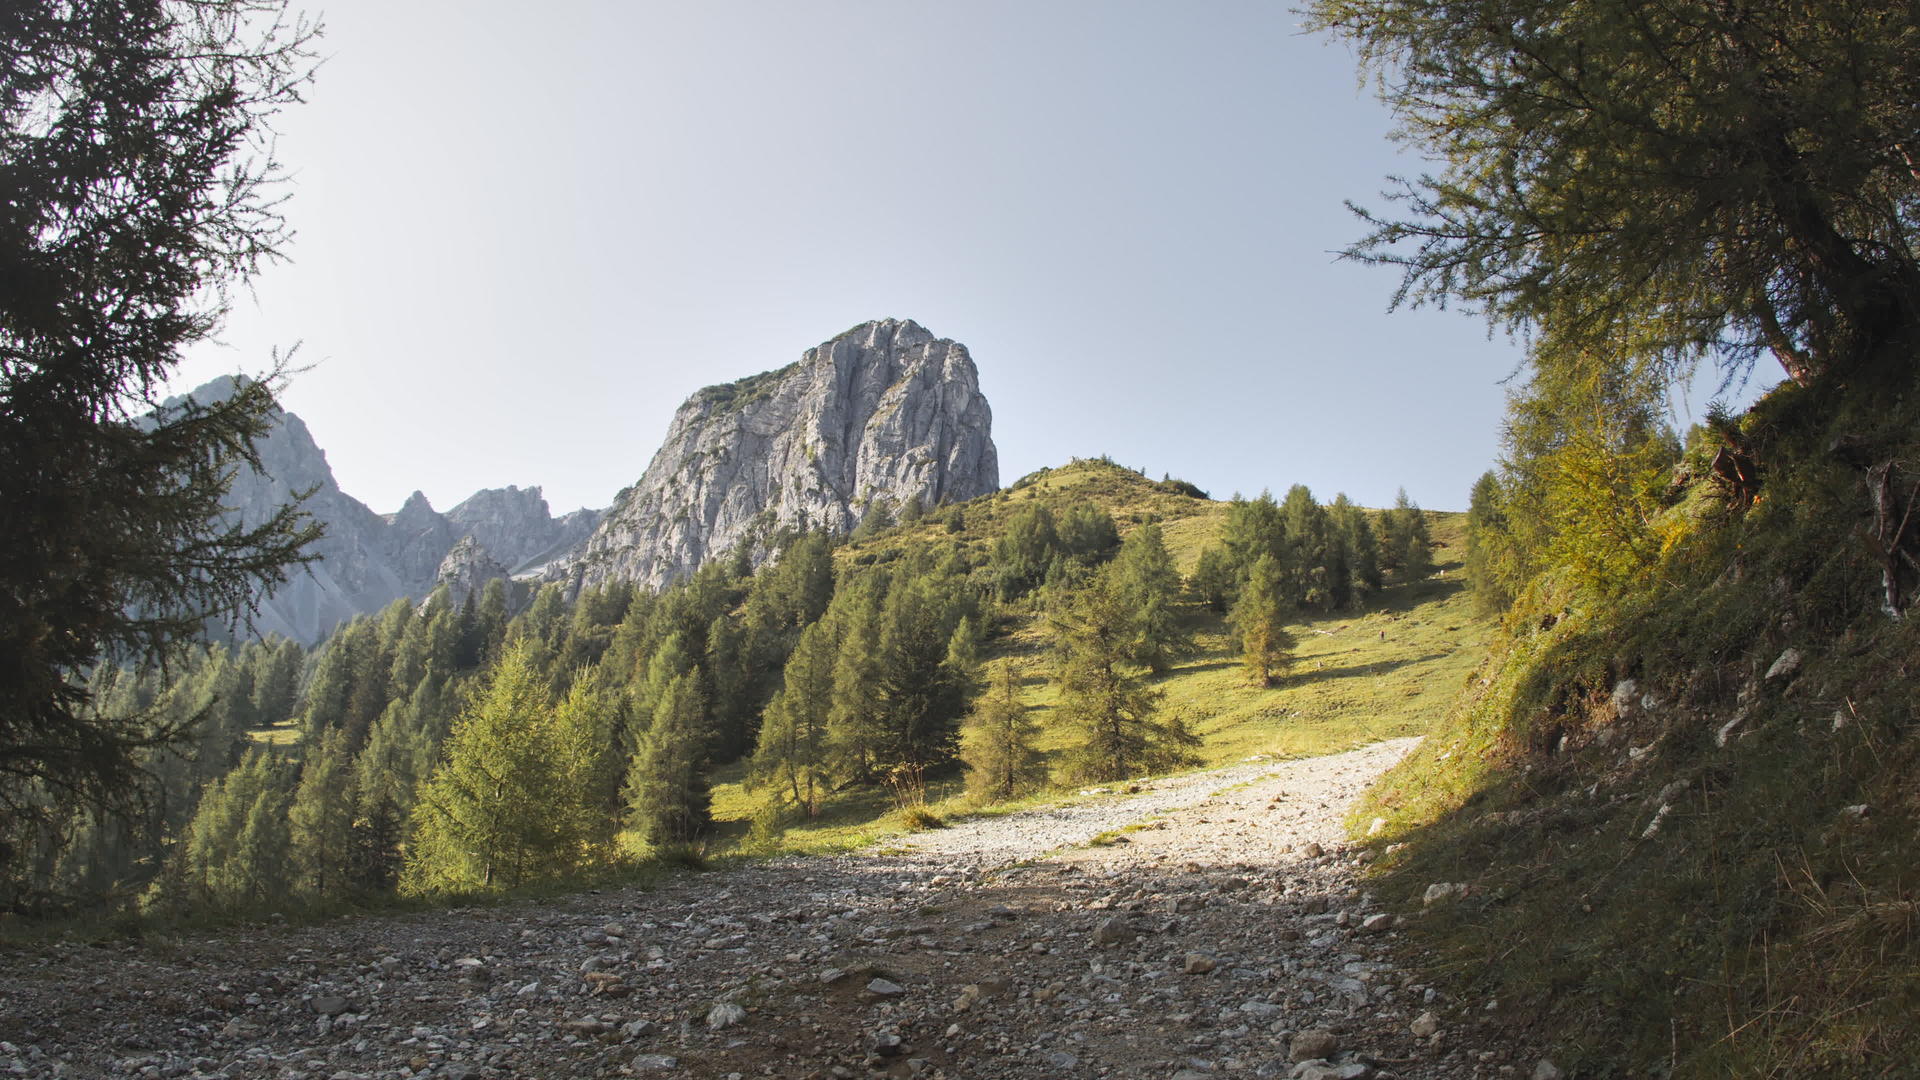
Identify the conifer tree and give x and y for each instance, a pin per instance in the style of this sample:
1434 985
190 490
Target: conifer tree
1408 544
1315 570
920 697
1111 709
963 655
1361 548
590 765
1088 533
276 684
731 705
373 860
1253 528
1259 617
997 742
854 722
1215 580
235 848
668 799
1148 586
1024 554
139 181
792 748
1489 547
321 816
486 818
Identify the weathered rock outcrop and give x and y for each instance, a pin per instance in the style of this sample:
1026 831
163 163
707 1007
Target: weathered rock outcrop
466 570
515 526
885 411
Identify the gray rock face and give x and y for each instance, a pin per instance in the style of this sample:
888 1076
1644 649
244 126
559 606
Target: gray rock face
466 570
369 560
515 526
358 570
419 537
883 411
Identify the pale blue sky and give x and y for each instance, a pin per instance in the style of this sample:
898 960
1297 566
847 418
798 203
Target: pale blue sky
526 233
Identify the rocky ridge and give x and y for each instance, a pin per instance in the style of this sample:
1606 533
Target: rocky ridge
1228 933
884 411
368 560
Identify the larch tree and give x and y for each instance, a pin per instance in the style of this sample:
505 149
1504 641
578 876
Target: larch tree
1111 709
668 798
486 818
1147 585
997 742
1215 580
792 750
321 816
234 851
1696 178
1260 618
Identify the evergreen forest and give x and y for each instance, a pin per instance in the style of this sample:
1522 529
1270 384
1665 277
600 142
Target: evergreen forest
958 656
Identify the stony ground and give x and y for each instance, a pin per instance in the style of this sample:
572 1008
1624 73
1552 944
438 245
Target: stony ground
1224 934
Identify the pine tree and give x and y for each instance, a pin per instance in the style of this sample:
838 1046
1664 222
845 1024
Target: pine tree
668 800
997 743
1259 617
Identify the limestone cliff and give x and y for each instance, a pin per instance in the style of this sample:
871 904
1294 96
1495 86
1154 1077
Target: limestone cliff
466 570
884 411
515 526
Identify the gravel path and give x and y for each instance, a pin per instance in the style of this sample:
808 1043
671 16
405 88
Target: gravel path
1225 935
1024 835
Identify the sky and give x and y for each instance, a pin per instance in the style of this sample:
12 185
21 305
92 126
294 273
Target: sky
525 233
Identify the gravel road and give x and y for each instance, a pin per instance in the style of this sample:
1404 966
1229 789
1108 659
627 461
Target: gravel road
1224 934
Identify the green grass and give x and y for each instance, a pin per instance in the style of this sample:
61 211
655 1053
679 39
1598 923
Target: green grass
1763 930
283 734
1359 677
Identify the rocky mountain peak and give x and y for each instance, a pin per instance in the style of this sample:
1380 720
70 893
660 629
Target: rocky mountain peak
883 411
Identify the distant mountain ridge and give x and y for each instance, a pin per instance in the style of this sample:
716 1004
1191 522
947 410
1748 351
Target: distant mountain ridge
878 415
368 560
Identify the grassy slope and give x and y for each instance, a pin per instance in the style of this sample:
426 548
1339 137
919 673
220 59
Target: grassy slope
1767 926
1359 678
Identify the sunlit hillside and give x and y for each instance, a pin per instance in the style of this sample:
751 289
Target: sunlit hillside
1384 671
